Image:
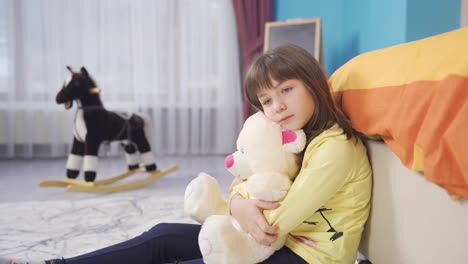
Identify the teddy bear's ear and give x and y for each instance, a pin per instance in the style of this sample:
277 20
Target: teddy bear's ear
294 141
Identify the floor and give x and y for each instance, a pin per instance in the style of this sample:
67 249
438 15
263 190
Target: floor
43 223
20 178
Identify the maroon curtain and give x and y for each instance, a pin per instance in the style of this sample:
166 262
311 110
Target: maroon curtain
251 16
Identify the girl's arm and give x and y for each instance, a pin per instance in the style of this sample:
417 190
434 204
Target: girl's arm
326 169
322 175
249 214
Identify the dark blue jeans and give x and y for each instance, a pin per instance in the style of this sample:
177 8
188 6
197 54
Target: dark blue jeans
164 243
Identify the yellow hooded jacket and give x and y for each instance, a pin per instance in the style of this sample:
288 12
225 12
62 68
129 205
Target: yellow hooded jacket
325 210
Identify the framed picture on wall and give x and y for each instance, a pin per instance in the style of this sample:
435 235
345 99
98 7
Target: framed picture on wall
302 32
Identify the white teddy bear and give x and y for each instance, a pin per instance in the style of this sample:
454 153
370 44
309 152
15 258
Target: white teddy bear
267 158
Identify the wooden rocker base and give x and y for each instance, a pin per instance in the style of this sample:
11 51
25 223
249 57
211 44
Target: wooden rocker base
106 185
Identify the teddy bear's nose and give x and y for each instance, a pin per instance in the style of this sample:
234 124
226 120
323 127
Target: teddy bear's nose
229 161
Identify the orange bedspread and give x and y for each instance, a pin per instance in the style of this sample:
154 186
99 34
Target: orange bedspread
415 97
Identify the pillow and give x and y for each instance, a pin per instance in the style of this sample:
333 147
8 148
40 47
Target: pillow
414 96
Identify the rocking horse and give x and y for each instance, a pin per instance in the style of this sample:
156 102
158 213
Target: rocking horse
94 125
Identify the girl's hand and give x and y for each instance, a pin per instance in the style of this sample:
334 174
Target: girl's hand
249 214
237 180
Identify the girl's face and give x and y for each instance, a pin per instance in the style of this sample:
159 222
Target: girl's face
289 103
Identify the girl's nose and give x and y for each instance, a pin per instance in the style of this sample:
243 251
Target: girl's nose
280 106
229 161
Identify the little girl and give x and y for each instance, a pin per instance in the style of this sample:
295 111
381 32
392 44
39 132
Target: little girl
324 212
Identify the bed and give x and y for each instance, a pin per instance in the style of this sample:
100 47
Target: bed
411 102
412 220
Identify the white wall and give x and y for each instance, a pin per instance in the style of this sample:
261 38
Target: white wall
464 13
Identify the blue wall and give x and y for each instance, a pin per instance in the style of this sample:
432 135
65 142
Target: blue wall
438 17
352 27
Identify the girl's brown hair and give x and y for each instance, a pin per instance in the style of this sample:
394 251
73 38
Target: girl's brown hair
293 62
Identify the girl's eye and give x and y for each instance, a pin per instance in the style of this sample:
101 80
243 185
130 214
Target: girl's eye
286 89
265 102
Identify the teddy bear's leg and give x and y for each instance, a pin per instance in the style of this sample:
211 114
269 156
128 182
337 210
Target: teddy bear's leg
203 198
221 242
131 155
75 159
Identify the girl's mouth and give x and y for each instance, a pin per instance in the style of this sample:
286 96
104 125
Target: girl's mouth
286 118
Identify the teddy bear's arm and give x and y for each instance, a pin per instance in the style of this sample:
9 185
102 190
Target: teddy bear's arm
268 186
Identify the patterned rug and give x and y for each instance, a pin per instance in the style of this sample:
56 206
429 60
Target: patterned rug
54 229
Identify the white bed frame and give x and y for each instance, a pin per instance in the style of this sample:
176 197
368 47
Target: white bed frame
412 220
